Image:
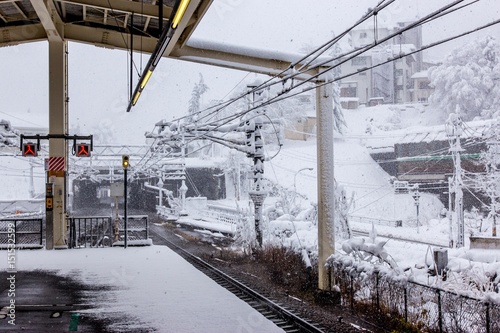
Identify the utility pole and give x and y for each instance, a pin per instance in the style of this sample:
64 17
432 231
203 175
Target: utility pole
454 131
492 180
449 215
255 150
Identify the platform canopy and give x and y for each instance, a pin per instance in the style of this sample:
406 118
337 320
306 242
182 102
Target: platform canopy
110 23
106 23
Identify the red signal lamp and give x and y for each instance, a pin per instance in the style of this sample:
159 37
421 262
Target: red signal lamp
83 150
30 149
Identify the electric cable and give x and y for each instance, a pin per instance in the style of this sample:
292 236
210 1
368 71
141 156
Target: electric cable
279 97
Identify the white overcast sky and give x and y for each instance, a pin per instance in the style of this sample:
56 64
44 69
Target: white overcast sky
98 76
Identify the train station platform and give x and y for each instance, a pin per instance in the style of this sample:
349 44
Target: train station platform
137 289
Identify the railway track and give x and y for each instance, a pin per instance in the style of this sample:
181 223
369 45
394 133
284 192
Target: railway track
273 311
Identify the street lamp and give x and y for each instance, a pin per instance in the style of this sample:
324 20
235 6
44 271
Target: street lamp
295 182
416 197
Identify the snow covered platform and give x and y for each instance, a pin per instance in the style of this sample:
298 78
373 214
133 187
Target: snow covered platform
141 289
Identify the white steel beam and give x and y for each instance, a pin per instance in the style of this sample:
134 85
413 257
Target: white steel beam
49 18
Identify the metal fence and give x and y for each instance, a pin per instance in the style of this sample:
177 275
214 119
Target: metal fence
99 231
90 231
137 228
377 221
428 308
24 233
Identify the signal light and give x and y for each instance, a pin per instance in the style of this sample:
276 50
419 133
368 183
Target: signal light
30 149
83 150
125 162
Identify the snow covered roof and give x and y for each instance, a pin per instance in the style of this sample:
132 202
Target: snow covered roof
473 129
245 58
420 75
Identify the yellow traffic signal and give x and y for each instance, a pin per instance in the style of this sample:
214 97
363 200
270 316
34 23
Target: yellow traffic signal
125 162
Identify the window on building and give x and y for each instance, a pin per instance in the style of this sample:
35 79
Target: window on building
399 72
423 85
359 61
349 91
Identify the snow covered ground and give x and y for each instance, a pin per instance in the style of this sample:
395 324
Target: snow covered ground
151 287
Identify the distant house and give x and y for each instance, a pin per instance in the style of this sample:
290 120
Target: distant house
421 87
303 128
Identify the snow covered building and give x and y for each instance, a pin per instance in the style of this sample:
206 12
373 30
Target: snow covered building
422 156
421 87
389 82
303 127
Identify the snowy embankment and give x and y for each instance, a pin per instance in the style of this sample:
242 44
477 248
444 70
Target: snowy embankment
373 199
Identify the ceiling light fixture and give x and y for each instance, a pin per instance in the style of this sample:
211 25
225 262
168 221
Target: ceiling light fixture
180 13
159 50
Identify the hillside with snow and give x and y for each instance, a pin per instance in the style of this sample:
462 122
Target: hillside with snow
364 181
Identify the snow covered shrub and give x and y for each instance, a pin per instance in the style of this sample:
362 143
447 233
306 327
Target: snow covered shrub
287 268
245 234
368 252
342 207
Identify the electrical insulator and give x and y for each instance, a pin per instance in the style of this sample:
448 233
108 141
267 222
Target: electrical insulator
250 137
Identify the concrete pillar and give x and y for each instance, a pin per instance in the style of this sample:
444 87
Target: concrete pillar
324 125
56 228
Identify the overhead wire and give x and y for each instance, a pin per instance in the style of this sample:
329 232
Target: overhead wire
236 116
280 97
263 85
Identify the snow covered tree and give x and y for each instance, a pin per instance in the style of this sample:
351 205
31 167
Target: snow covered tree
489 183
342 206
468 78
338 116
194 103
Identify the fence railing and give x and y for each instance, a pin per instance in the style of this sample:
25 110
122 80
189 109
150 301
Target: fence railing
23 233
90 231
99 231
430 309
224 214
376 221
137 228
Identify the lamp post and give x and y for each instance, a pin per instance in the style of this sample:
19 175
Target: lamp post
295 178
416 197
295 182
125 165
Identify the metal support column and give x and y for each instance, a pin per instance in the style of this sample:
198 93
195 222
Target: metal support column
326 236
56 225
